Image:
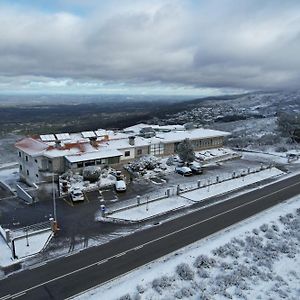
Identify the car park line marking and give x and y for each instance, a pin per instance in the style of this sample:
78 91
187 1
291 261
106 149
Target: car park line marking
68 202
86 197
152 241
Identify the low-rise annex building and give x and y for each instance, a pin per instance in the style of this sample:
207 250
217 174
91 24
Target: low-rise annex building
42 156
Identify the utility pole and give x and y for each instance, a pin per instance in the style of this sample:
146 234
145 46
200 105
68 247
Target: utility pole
53 198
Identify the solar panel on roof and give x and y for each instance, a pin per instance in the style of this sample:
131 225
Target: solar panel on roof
63 136
47 137
88 134
101 132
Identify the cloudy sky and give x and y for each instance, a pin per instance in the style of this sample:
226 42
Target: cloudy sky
158 46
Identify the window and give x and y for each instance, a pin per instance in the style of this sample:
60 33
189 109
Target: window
20 154
27 172
36 160
127 153
21 168
89 163
80 165
139 151
50 162
26 158
36 175
157 149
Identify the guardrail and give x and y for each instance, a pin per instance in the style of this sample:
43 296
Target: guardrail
180 189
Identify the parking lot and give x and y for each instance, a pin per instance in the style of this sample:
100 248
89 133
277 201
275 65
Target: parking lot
77 220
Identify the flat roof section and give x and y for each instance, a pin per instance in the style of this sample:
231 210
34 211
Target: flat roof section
93 155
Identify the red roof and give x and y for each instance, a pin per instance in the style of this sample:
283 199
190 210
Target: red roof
31 146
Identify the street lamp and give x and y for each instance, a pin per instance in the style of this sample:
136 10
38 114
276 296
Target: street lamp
53 198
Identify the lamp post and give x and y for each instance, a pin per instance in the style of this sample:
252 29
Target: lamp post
53 198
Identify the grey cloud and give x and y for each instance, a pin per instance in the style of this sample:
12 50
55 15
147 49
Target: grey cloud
242 44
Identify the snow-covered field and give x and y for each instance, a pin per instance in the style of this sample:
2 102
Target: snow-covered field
258 258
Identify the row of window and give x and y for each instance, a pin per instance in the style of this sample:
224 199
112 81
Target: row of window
26 157
206 143
27 172
103 161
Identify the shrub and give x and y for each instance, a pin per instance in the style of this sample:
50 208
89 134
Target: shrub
140 289
203 273
185 272
125 297
203 261
264 227
160 284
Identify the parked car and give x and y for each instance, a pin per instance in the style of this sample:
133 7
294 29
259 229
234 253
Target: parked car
120 186
77 195
196 168
184 171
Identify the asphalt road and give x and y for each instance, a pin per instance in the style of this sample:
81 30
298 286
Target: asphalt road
67 276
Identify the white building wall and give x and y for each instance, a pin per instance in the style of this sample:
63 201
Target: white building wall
29 167
125 151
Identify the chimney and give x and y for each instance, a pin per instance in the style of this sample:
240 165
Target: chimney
57 144
131 140
93 141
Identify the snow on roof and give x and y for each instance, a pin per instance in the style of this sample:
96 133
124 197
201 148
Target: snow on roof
31 146
63 136
88 134
78 143
104 153
47 137
136 128
194 134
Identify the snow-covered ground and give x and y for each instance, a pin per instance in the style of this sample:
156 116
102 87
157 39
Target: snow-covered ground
151 209
145 211
32 244
258 258
24 247
231 185
9 174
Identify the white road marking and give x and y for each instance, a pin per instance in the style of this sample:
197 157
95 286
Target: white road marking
102 262
147 243
138 247
6 297
18 295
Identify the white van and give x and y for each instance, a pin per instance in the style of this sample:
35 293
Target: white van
120 186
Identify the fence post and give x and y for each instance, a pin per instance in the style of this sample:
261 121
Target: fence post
138 199
168 192
7 236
